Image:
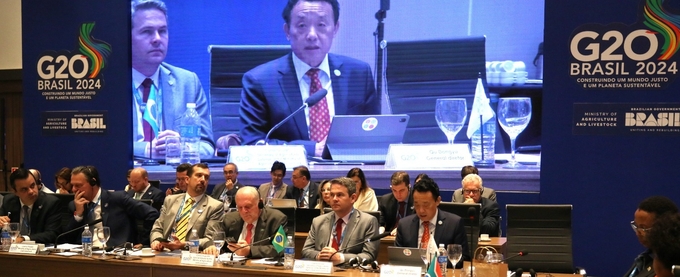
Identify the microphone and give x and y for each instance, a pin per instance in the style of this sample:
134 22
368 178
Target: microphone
675 270
518 254
374 238
532 272
247 245
518 272
472 213
311 101
73 230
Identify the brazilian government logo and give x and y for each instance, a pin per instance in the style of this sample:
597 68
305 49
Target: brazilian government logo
76 75
640 56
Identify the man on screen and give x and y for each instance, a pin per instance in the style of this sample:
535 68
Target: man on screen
275 89
161 91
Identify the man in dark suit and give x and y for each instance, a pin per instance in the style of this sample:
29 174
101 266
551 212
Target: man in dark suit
304 191
275 89
397 204
36 212
664 240
490 212
166 89
141 189
431 226
117 210
252 223
230 186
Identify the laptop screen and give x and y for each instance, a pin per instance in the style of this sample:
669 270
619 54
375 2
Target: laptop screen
365 138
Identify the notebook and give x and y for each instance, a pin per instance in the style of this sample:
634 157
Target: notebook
365 138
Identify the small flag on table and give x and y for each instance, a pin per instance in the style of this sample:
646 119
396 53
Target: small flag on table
279 241
433 270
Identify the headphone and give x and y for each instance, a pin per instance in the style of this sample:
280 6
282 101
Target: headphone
38 182
260 204
92 175
520 271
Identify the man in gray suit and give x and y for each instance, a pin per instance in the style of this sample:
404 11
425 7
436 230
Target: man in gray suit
277 188
344 227
183 212
163 88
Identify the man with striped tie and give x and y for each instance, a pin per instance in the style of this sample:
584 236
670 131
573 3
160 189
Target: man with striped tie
184 212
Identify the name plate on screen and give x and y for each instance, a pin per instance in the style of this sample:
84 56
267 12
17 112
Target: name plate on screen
399 271
425 156
197 259
304 266
23 248
261 157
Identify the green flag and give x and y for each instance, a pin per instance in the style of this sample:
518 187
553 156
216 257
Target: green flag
279 241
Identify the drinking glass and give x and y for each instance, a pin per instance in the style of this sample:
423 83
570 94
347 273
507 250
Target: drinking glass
424 254
450 114
218 241
103 234
14 230
454 253
514 114
227 203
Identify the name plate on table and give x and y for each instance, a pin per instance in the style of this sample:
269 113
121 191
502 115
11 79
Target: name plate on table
23 248
261 157
305 266
427 156
197 259
399 271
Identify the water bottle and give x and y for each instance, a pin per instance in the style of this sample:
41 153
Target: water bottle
483 144
87 242
193 241
6 238
442 258
289 253
190 135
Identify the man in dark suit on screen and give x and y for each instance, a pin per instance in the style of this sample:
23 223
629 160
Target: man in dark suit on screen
275 89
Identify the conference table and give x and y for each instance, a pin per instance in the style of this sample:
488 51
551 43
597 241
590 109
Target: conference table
19 265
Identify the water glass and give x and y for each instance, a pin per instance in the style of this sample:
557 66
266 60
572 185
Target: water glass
14 229
450 114
172 150
218 241
514 114
454 253
103 234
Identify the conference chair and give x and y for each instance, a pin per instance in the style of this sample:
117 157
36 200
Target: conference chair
65 213
471 225
544 231
155 183
228 63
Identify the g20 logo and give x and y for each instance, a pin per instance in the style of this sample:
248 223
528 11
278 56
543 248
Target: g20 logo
65 67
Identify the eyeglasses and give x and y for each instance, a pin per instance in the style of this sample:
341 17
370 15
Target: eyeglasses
636 228
472 191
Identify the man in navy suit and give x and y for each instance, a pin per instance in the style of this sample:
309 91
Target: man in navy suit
169 87
275 89
40 221
304 191
431 226
141 189
230 186
117 210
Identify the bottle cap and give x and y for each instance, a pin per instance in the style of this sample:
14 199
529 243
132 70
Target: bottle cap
191 105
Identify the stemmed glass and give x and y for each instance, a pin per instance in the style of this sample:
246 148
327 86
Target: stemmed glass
514 114
455 253
103 234
450 114
424 254
14 231
218 241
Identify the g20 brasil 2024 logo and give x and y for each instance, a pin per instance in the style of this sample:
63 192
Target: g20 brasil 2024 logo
74 76
619 56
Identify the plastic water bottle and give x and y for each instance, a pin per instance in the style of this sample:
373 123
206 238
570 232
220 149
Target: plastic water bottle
6 239
193 241
87 242
483 144
289 253
442 258
190 135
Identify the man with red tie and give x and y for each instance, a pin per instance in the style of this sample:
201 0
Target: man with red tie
399 203
332 233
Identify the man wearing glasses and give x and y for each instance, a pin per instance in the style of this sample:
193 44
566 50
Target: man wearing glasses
646 214
230 185
490 212
305 192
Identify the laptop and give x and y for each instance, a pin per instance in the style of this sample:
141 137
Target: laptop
365 138
277 202
405 256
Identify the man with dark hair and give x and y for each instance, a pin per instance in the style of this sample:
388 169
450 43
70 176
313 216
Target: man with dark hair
431 226
140 188
161 91
304 191
117 210
276 188
181 178
310 26
458 196
643 219
37 212
398 204
230 185
664 241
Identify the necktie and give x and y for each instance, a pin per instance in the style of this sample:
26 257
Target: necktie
181 230
337 238
146 88
301 200
249 233
319 116
138 195
401 213
26 222
425 240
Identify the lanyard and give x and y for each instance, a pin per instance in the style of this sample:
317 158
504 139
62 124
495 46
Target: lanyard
273 190
179 212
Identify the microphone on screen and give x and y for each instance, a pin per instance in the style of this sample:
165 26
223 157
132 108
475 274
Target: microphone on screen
311 101
71 231
374 238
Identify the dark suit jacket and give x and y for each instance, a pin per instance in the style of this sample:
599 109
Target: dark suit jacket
119 212
491 214
45 216
271 92
217 191
389 206
449 230
294 193
648 264
267 225
157 195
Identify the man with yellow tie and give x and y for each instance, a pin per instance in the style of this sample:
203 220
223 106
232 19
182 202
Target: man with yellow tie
184 212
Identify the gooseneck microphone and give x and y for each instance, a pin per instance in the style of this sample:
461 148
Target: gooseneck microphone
251 244
374 238
311 101
472 213
675 270
518 254
75 229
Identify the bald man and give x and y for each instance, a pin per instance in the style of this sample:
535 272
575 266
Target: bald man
141 189
38 181
252 223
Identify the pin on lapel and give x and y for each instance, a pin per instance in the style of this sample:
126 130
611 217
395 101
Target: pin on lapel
171 82
39 207
149 193
440 222
337 72
106 205
200 211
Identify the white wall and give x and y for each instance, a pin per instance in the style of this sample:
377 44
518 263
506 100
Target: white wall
10 34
